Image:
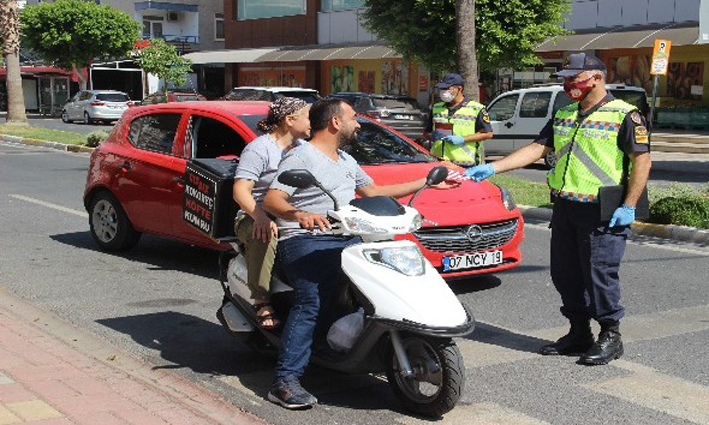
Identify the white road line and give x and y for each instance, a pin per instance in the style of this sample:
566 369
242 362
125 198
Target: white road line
478 414
49 205
674 248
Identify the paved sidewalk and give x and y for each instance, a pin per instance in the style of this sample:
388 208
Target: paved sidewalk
52 373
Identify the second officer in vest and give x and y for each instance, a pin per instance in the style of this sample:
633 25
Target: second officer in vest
599 141
460 124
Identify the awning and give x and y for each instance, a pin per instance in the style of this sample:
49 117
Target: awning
172 7
294 54
227 56
683 34
42 70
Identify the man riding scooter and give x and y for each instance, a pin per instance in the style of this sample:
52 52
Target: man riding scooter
307 253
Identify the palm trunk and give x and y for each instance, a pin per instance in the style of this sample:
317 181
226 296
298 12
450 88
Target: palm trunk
467 60
11 50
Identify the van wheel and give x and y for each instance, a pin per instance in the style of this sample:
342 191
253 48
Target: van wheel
109 224
550 159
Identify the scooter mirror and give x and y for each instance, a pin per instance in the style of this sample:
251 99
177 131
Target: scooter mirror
436 175
297 178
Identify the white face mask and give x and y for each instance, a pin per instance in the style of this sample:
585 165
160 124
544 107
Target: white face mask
447 96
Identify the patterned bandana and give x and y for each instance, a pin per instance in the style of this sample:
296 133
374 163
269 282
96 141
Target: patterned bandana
278 110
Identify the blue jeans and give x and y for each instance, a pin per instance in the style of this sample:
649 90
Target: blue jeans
312 266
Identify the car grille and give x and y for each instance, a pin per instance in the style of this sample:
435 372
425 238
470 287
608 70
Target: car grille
455 239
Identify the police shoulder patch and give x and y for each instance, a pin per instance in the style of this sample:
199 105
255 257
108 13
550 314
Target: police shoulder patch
641 135
635 117
485 117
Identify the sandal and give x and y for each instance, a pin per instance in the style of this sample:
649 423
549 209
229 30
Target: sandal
269 315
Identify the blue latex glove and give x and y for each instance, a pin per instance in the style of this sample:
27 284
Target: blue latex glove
622 216
479 172
456 140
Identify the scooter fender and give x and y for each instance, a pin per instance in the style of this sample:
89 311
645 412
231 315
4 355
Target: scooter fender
424 299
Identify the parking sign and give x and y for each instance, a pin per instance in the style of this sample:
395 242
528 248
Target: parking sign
661 57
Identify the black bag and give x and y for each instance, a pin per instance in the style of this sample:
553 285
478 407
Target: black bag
611 197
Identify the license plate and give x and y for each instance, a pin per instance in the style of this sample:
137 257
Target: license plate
471 261
403 117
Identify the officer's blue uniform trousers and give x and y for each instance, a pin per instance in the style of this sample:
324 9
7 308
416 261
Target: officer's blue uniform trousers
585 258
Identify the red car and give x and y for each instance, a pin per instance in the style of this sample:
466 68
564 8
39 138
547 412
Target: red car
136 184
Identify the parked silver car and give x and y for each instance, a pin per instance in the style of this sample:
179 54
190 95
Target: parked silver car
95 105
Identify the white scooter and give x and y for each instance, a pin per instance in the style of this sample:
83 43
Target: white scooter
409 313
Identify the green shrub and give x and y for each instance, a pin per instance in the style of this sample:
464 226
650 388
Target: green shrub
684 211
95 138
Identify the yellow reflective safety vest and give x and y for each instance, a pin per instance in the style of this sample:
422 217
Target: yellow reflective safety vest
461 123
587 152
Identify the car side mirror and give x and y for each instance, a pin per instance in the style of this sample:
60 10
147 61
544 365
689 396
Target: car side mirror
436 175
297 178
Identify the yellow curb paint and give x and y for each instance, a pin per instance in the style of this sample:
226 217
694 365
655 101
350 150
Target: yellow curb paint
7 417
34 410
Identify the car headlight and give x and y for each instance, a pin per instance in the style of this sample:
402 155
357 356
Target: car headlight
360 225
406 260
416 223
507 199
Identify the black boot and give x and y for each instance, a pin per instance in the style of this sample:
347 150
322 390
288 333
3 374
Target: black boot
577 341
608 347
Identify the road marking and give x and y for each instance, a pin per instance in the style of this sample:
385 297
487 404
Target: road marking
50 205
657 391
674 248
478 413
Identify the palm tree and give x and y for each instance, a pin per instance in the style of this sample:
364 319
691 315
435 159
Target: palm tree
10 37
467 60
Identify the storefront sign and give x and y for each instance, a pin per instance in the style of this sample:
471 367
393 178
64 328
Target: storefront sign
661 57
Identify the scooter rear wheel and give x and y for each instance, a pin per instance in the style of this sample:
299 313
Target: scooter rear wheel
438 380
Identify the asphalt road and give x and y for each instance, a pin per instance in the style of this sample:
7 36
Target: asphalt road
57 124
158 302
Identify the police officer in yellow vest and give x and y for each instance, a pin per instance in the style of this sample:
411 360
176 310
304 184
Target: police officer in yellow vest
460 125
598 141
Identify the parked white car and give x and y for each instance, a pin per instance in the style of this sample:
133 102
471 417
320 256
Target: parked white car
518 116
96 105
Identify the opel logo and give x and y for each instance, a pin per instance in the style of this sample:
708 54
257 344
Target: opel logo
474 232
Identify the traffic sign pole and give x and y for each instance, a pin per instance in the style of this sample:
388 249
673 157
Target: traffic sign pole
654 99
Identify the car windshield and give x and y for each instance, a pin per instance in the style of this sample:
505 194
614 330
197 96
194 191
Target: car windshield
307 96
375 144
112 97
186 97
393 103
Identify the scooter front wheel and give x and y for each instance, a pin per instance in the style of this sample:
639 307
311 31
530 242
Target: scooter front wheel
438 376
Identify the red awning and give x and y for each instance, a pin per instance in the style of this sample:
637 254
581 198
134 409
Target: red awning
42 70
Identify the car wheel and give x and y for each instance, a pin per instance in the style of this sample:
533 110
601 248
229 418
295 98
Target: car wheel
87 118
65 117
550 159
109 224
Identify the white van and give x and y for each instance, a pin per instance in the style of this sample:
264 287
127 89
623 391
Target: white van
518 116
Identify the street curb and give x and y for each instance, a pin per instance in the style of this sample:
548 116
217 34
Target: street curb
45 144
664 231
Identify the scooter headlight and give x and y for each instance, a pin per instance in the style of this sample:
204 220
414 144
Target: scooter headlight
360 225
406 260
416 223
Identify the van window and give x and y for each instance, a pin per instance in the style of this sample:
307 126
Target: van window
561 100
504 108
535 105
635 98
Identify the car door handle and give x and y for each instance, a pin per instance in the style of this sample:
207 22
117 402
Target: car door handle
508 124
178 180
126 166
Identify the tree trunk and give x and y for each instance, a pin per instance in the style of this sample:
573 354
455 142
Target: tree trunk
465 40
10 23
79 76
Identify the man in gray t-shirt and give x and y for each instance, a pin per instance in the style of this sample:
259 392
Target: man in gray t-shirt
311 260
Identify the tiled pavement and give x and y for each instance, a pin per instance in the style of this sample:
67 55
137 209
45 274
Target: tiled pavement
45 380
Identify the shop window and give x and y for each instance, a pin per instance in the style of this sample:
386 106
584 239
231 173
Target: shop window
154 132
338 5
255 9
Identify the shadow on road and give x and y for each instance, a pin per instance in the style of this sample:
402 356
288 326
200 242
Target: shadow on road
494 335
159 253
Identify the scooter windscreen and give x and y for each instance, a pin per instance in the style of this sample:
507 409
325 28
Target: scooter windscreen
379 206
